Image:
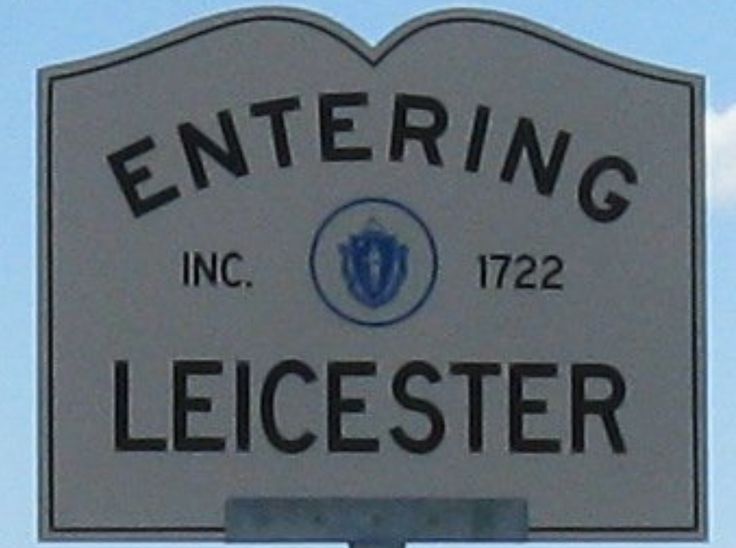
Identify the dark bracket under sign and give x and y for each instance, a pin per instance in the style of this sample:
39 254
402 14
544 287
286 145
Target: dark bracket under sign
375 523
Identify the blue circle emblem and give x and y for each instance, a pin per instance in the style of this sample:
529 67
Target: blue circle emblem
373 262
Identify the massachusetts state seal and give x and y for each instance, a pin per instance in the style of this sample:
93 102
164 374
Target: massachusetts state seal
374 265
373 262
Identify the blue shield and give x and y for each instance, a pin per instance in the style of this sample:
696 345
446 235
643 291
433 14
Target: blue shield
374 265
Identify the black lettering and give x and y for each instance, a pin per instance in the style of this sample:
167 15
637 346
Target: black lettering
225 271
475 371
123 440
330 126
427 135
337 406
242 419
186 268
183 405
616 204
436 420
268 407
604 408
204 266
519 406
129 180
230 157
477 139
275 110
545 174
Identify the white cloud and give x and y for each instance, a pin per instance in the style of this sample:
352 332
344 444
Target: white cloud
721 156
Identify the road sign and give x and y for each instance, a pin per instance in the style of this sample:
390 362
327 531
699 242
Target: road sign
277 262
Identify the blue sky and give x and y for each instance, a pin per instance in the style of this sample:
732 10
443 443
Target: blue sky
695 36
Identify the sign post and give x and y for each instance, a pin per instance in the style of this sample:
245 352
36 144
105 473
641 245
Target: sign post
278 264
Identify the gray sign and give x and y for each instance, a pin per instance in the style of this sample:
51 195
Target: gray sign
277 262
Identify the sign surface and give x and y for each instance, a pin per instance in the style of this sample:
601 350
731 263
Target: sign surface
279 262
